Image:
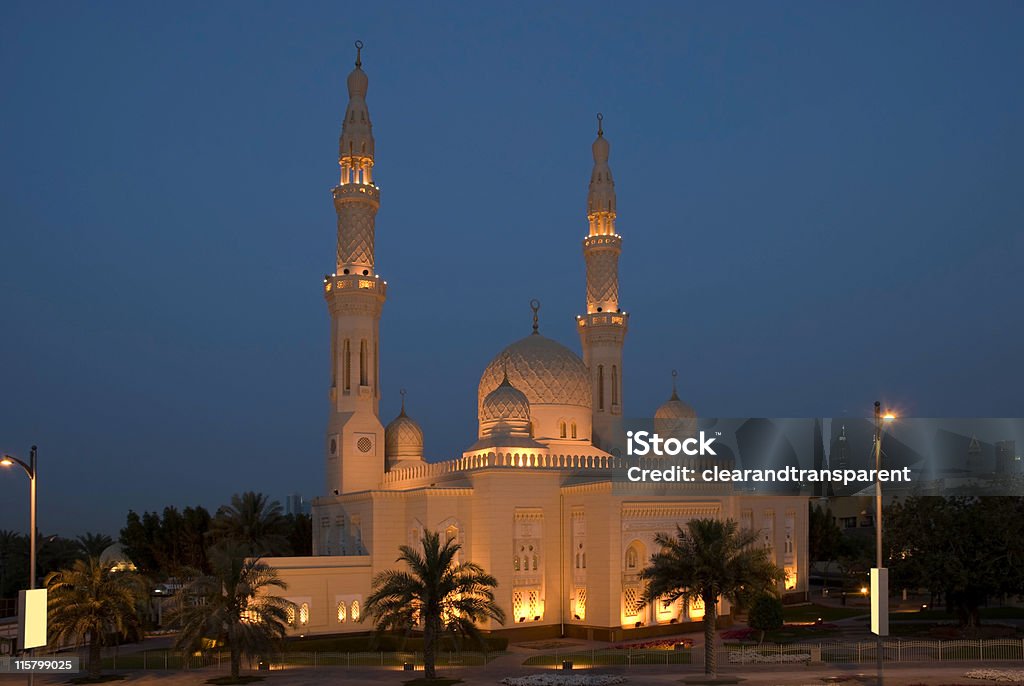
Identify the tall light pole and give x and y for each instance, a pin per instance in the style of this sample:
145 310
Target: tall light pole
880 585
33 473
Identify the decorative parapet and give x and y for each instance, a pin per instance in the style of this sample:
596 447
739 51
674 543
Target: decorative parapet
590 464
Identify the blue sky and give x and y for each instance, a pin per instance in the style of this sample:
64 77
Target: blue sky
820 202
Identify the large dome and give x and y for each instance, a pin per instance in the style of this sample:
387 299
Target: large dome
546 371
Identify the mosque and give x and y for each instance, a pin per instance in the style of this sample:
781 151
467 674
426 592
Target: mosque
538 498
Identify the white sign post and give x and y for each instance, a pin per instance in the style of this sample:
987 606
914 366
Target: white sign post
880 601
31 619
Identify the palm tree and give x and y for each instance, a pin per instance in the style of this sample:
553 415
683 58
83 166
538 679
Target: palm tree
708 560
233 607
255 521
88 601
93 545
437 591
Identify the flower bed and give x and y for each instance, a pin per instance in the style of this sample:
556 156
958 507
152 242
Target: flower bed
1003 675
676 644
564 680
754 657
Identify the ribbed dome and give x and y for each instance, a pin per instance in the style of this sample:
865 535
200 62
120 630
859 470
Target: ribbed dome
546 371
403 439
505 403
674 417
675 409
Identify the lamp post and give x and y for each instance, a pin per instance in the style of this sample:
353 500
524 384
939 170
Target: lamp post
30 469
880 421
33 474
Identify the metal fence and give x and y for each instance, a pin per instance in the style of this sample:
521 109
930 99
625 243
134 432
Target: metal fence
893 651
221 660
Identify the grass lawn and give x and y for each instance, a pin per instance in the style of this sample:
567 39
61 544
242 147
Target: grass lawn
942 615
810 613
611 658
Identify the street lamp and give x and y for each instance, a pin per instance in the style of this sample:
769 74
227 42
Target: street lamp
30 469
880 577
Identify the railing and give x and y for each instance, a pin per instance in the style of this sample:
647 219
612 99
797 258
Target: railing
893 651
535 460
221 660
855 652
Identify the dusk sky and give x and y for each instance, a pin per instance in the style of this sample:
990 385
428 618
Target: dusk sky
821 204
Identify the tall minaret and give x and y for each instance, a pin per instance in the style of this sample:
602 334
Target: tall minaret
603 328
355 296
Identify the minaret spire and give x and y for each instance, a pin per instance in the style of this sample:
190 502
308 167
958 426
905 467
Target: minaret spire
603 328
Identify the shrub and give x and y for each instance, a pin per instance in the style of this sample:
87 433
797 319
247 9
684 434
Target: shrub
765 614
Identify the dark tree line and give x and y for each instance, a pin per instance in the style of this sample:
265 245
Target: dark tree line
53 553
174 542
965 550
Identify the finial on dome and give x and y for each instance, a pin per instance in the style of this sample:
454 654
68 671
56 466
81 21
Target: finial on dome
402 393
359 54
535 306
600 128
675 395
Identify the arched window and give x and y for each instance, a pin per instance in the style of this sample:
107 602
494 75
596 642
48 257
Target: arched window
584 559
291 614
342 612
355 611
535 563
615 385
348 364
561 429
515 563
632 557
304 614
577 560
451 533
574 429
600 386
363 361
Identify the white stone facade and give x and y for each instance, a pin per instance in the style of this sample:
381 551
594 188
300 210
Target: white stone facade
536 499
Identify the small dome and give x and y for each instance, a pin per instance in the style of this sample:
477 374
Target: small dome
403 439
675 417
113 558
505 410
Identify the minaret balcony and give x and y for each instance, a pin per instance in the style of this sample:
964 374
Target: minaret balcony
354 283
603 319
356 191
611 241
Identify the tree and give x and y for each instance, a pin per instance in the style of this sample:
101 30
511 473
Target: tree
93 545
168 544
13 562
437 591
765 615
300 536
233 606
709 559
253 521
824 537
89 602
966 549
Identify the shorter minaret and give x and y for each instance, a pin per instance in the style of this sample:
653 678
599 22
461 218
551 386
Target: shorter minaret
603 328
